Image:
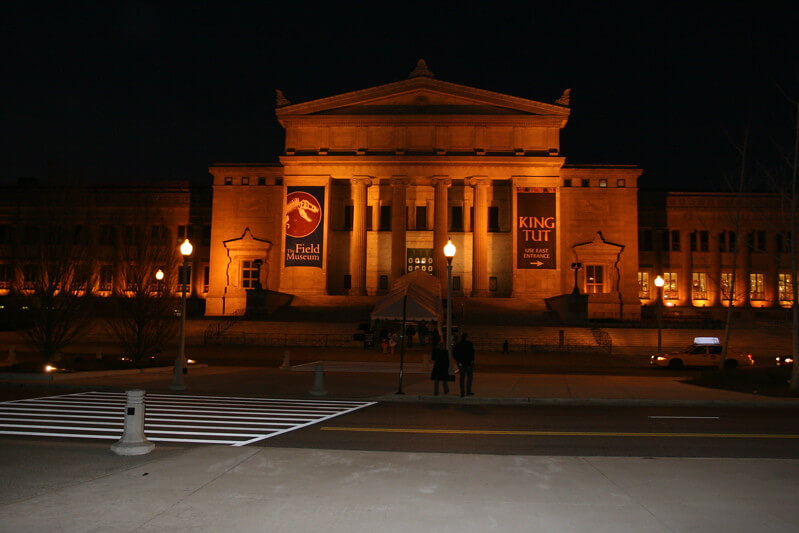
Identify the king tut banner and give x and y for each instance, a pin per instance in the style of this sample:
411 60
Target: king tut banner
535 228
304 226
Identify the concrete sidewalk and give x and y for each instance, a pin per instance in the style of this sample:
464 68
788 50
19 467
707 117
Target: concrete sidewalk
222 488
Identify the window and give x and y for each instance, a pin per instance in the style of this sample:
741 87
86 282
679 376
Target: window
347 281
5 276
492 284
784 287
603 182
206 277
693 241
643 285
704 238
348 217
228 180
726 286
727 241
456 283
699 286
106 278
180 287
206 240
670 286
645 240
382 282
245 180
594 279
456 218
621 183
251 274
420 259
493 218
107 235
567 182
278 181
261 180
385 218
369 218
756 286
784 242
675 240
184 232
585 182
421 217
759 241
158 235
30 273
5 234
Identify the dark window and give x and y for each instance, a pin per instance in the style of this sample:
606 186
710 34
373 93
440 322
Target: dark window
727 241
645 240
188 278
492 284
5 234
493 218
107 236
158 235
456 283
369 218
421 217
206 235
228 180
251 274
784 242
382 283
693 241
703 241
278 181
732 241
585 182
675 240
206 277
348 214
245 180
456 220
567 182
347 281
385 218
621 183
760 241
664 240
261 180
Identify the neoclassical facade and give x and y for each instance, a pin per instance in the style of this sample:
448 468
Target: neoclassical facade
373 183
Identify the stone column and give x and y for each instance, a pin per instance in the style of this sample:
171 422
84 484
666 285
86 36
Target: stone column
440 227
742 260
771 275
480 237
685 279
358 240
714 288
398 229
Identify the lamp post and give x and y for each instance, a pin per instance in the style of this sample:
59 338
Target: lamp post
180 361
159 276
449 253
659 282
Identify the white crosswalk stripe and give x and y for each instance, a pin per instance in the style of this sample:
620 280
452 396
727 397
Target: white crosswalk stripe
168 418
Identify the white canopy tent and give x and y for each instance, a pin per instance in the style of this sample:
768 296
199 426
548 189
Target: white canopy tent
420 295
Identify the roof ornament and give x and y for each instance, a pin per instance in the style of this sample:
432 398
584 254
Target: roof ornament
564 98
421 71
281 100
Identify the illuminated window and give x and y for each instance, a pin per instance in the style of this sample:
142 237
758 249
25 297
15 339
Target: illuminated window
603 182
756 286
106 277
420 259
699 286
594 279
643 285
251 274
727 289
785 287
670 286
228 180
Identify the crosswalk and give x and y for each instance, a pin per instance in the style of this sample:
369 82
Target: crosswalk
168 418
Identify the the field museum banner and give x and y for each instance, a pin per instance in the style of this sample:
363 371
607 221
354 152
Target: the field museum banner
535 227
304 226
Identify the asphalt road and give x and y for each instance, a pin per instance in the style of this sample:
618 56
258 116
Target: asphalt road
557 431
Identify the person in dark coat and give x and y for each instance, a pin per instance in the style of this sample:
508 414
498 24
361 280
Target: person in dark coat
440 368
464 356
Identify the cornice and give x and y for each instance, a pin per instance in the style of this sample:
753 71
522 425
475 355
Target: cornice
515 161
416 120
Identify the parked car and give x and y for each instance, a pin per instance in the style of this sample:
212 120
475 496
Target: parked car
704 351
784 360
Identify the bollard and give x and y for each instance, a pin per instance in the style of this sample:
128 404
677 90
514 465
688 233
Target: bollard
318 381
286 360
133 441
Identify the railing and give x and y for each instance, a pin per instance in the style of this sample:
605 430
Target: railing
281 339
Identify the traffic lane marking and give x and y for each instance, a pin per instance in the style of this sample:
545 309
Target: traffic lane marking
690 417
560 433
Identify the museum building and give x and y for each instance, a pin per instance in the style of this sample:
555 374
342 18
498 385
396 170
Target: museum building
373 183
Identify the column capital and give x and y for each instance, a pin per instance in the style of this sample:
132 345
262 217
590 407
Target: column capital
444 181
478 181
399 181
366 181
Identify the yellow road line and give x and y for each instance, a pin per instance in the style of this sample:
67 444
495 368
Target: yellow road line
561 433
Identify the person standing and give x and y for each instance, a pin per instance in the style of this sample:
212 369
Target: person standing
464 356
440 368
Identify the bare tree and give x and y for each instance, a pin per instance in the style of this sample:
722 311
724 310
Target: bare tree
141 312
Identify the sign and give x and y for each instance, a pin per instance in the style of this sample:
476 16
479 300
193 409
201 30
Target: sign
304 226
536 227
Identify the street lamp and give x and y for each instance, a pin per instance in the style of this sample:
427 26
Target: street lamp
180 361
659 282
449 253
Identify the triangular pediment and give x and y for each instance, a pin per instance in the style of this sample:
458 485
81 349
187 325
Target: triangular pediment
423 96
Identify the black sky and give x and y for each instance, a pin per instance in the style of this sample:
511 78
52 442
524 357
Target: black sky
143 91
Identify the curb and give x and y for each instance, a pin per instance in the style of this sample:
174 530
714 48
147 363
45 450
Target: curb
67 376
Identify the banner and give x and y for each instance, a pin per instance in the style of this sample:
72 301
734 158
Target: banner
304 226
536 225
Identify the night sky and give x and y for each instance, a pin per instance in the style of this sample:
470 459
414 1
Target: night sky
153 91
